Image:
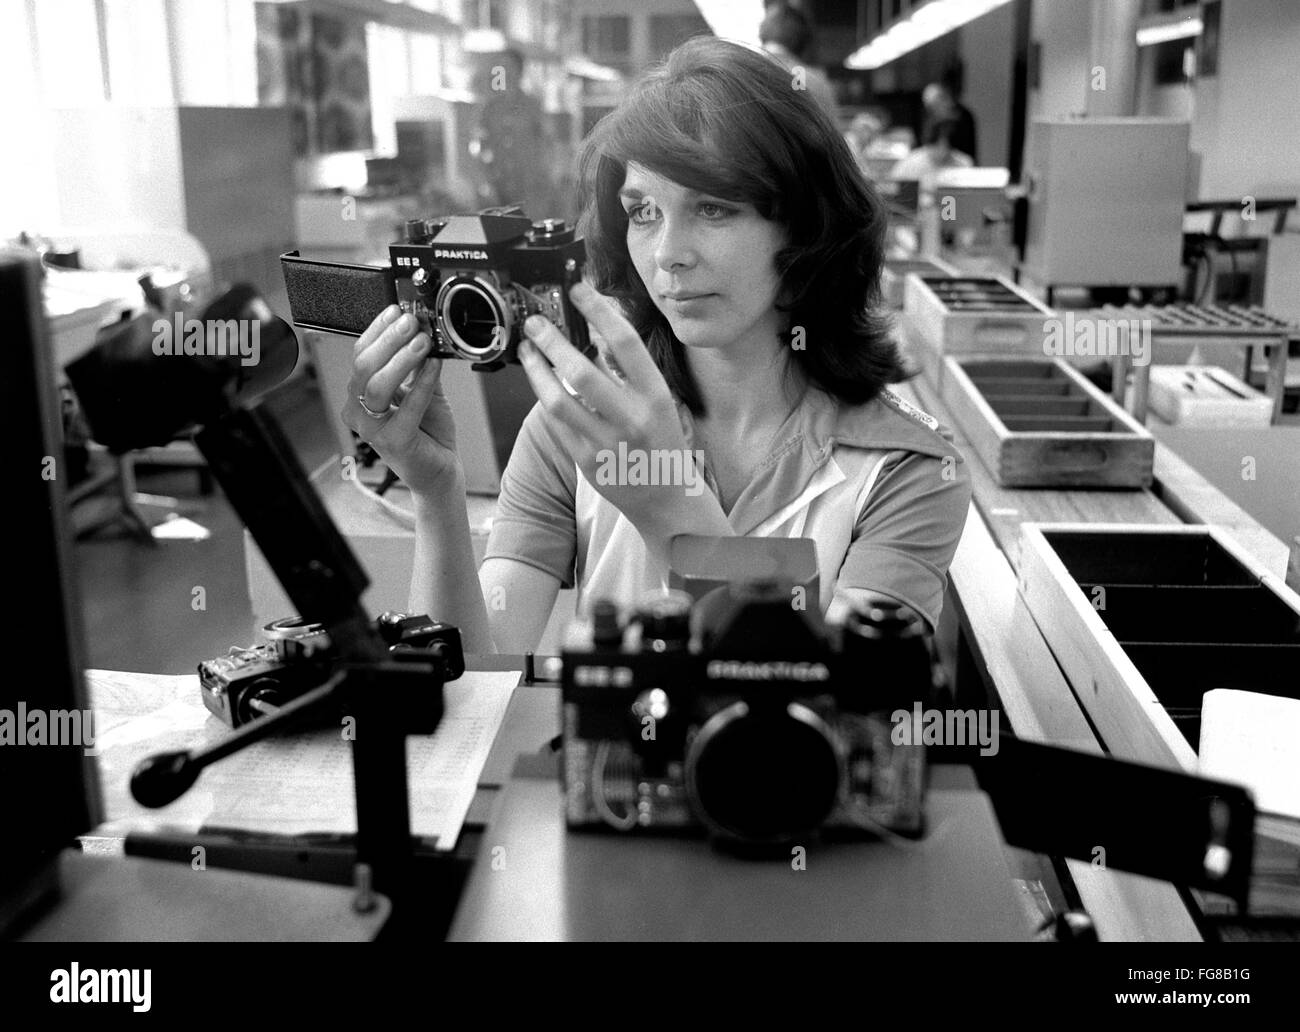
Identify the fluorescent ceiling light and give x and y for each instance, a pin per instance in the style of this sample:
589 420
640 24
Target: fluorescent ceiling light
923 25
1166 30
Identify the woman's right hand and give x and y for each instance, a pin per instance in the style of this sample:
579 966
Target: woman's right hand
417 436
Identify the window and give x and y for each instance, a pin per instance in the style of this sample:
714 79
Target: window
71 70
425 52
388 65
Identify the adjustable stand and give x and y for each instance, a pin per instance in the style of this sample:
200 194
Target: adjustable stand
389 695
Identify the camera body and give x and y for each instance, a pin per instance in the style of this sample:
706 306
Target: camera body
472 280
744 717
297 656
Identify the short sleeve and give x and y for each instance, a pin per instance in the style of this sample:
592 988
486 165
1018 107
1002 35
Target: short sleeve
535 521
908 530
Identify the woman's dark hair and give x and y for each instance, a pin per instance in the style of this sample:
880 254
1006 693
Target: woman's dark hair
725 120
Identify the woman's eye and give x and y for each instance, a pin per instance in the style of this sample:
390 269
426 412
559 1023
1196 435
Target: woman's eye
643 213
647 212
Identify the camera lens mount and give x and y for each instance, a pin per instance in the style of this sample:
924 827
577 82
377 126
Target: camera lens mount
296 638
474 318
764 775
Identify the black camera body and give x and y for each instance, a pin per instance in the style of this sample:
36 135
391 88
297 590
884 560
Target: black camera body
297 656
470 280
744 717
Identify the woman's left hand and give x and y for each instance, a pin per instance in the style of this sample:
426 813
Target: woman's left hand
635 410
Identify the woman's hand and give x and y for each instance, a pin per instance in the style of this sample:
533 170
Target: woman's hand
393 375
633 409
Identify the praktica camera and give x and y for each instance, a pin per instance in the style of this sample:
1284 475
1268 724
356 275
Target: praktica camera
297 656
470 280
745 717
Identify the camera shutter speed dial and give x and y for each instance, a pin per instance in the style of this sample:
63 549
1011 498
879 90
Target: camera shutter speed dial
550 231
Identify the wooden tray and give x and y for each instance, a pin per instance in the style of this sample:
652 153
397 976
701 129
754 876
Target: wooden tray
893 277
956 315
1145 620
1039 423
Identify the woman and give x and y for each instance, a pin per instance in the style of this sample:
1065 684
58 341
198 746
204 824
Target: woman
735 253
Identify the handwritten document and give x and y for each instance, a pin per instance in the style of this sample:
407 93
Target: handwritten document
292 785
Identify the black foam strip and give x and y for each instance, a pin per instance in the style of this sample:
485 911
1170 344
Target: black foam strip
336 297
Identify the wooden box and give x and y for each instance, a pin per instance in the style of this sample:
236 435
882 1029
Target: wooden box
1145 620
946 316
893 277
1200 395
1040 423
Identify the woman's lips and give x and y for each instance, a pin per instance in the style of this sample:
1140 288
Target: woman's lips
687 303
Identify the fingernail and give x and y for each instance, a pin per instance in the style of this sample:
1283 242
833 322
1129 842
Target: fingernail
391 312
534 325
581 291
420 345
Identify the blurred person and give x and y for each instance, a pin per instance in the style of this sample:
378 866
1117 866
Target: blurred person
512 141
937 152
863 131
941 104
787 35
734 275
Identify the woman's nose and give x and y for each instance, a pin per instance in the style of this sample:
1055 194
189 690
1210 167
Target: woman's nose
674 249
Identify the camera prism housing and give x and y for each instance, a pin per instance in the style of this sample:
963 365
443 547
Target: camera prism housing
470 280
745 718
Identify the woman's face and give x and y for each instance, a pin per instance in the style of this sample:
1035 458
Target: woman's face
708 263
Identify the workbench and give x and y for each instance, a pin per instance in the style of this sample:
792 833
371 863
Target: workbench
1006 651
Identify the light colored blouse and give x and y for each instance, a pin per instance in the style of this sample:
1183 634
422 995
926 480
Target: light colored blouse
879 487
